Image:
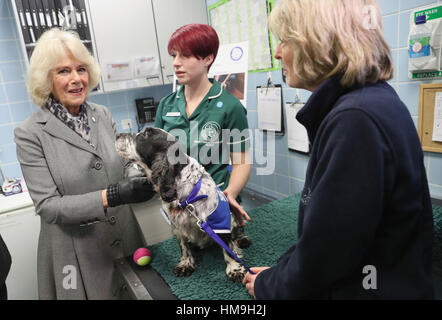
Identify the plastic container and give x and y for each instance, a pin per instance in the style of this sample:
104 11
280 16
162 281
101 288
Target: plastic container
420 51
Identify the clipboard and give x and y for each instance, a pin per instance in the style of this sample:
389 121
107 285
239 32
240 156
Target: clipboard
297 137
270 108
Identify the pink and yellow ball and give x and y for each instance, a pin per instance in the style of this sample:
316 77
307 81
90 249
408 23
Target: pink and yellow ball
142 257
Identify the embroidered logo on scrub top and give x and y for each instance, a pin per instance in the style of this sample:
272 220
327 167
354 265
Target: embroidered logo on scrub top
210 132
220 104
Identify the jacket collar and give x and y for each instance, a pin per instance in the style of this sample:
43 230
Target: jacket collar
58 129
320 103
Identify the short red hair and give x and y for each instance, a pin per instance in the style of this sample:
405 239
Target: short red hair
197 40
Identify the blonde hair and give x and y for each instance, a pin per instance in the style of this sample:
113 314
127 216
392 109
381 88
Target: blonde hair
51 47
330 37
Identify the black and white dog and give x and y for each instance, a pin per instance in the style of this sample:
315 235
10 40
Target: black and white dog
174 175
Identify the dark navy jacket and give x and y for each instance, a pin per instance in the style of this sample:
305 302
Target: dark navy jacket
5 265
365 203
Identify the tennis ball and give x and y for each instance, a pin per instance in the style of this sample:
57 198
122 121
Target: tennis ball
142 257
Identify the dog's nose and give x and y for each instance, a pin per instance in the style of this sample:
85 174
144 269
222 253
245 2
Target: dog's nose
118 136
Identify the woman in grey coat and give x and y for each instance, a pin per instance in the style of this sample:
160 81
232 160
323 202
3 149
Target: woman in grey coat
74 175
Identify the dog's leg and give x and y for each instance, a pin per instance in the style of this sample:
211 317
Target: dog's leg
234 270
238 236
186 266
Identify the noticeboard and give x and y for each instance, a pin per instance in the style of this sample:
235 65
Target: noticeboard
426 122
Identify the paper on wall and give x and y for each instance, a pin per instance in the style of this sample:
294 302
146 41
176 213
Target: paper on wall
230 69
118 70
147 66
245 20
437 125
269 108
297 136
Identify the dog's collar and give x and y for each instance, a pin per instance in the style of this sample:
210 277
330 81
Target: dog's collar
192 197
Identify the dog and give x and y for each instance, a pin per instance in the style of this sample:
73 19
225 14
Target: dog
174 176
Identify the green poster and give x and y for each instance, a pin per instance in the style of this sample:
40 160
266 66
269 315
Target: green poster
246 20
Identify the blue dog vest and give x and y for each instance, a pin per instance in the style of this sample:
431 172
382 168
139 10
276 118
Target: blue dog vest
217 222
219 218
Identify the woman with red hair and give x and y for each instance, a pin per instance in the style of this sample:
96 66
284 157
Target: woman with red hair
209 122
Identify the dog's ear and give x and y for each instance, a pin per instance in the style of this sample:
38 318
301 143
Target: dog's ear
163 175
167 186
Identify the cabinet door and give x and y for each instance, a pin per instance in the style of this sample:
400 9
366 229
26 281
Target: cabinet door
169 16
20 231
124 31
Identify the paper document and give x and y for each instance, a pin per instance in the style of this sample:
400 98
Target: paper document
147 67
437 127
269 101
245 20
118 70
296 133
230 69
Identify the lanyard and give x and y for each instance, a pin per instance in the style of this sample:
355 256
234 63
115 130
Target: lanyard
207 229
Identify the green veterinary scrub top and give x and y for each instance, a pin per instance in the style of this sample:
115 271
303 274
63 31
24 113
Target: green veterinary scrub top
217 127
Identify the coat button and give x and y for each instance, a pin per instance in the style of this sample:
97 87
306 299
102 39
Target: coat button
98 165
112 220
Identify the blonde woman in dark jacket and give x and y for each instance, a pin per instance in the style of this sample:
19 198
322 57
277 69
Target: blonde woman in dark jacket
365 221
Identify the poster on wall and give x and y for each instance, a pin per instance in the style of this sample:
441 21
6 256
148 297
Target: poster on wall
246 20
118 70
146 67
230 69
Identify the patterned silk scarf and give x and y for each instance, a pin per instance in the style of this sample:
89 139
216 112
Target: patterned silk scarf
79 123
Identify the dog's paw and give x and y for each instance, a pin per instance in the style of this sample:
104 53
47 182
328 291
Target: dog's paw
236 274
243 242
181 270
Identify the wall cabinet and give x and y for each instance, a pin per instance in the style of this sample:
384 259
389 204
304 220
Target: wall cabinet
169 16
128 38
34 17
124 31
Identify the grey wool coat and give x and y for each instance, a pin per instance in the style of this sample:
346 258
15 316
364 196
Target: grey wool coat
65 176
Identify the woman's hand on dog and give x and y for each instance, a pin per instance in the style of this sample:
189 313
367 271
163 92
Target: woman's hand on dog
129 190
236 208
249 279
